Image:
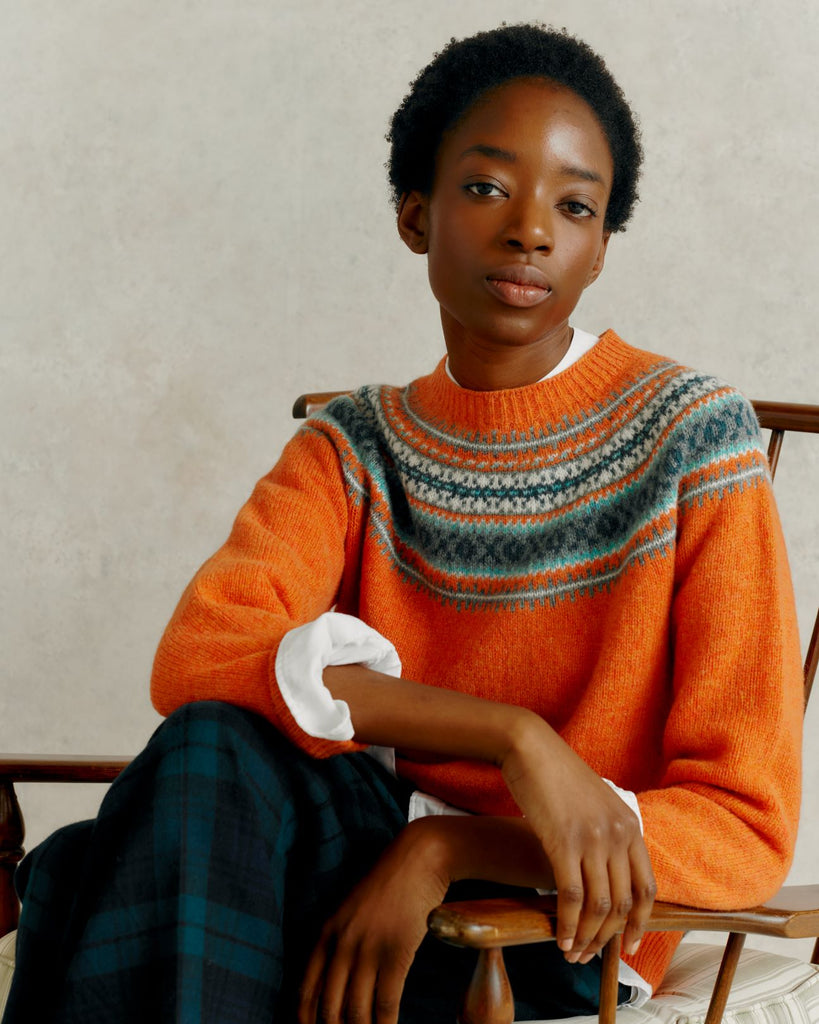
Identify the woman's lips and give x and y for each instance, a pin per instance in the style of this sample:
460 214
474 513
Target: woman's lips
519 285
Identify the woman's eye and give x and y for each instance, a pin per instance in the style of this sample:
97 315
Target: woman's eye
578 209
484 188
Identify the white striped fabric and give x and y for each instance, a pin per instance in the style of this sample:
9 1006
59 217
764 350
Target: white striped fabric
6 967
768 989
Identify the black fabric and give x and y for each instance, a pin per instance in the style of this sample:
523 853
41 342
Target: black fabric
198 892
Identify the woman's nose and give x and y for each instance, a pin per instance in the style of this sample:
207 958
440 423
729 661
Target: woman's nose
529 226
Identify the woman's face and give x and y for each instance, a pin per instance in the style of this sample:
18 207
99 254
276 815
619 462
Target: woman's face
513 227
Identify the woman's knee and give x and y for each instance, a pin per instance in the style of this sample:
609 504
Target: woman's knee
217 726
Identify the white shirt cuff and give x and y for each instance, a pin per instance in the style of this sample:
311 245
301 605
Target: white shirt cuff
629 799
304 652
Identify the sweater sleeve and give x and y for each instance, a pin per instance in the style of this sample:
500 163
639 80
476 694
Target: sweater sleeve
721 827
280 568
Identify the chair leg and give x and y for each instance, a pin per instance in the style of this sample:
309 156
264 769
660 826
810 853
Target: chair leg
727 969
489 997
609 980
11 850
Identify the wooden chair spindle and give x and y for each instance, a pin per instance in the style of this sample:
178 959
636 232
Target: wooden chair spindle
11 851
725 978
774 448
609 980
488 999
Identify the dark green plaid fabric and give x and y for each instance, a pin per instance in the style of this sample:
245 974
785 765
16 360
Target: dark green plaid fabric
198 892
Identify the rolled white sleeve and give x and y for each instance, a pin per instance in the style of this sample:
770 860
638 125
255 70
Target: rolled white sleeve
304 652
629 799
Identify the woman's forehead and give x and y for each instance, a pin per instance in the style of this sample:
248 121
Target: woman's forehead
531 115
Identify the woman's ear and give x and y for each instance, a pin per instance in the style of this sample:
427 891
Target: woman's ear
600 260
413 221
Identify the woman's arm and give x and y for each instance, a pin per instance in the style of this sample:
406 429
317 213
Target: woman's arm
590 839
367 947
721 822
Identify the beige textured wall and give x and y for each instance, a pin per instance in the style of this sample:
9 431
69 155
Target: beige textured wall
196 229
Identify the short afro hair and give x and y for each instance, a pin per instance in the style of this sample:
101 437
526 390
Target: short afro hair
466 69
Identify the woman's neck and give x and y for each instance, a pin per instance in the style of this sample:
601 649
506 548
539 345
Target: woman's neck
478 366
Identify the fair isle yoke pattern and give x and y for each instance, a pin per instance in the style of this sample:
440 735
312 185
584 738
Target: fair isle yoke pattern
601 548
503 520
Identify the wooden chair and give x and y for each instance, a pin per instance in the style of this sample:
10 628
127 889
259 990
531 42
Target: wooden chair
487 926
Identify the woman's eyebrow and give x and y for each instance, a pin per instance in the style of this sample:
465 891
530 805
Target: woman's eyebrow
570 171
566 171
494 151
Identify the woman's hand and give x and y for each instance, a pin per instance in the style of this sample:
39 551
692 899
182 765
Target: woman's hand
357 971
592 839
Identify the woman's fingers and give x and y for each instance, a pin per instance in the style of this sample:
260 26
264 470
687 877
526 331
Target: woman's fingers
331 1006
337 990
311 985
359 1006
388 993
618 901
644 891
600 893
597 906
570 898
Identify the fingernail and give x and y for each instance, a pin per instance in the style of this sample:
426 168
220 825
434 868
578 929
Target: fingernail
632 949
566 944
572 958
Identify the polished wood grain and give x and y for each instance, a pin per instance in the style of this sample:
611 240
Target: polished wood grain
61 767
771 415
484 924
787 416
609 980
11 850
725 977
488 999
493 924
307 405
36 768
481 924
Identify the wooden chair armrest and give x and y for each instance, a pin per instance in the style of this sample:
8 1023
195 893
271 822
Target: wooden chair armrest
306 405
787 416
488 925
61 767
485 924
793 913
37 768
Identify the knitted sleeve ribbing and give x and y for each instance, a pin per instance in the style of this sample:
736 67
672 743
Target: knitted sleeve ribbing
280 567
721 827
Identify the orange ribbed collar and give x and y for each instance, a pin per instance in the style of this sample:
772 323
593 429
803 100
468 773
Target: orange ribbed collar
436 399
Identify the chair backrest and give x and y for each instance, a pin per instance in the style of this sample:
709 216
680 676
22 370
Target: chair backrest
778 417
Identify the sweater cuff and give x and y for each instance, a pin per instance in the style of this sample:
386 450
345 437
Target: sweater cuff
304 652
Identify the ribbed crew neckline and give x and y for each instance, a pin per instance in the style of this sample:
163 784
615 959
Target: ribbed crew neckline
437 399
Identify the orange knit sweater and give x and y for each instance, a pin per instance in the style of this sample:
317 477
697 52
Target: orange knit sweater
601 547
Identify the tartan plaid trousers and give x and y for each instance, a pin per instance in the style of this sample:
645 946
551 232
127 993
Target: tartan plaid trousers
198 892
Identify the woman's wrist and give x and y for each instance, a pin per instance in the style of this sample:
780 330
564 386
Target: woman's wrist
432 846
456 847
528 735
